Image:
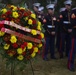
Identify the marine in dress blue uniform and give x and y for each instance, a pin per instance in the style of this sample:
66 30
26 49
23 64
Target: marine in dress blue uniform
58 30
71 56
36 7
66 29
41 14
49 26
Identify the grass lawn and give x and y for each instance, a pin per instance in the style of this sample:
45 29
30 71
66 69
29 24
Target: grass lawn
41 67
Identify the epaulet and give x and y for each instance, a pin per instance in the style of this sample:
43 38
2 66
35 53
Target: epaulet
74 8
65 9
62 9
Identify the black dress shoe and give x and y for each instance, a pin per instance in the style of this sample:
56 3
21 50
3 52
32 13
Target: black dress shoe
61 57
53 58
46 59
72 69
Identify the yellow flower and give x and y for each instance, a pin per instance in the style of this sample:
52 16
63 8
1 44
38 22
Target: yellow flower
24 49
33 16
34 32
42 35
10 54
15 14
4 10
30 21
13 39
40 45
19 51
33 54
35 49
26 18
39 23
13 7
39 28
2 33
22 8
20 57
6 46
29 45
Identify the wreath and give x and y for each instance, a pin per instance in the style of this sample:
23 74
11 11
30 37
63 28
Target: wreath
21 34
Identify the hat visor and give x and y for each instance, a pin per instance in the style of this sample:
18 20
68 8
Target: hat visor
68 4
51 8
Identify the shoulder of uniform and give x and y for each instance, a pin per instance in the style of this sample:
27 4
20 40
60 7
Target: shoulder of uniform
74 8
64 10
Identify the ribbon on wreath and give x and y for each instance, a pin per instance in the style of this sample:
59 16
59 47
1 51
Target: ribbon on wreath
20 35
16 26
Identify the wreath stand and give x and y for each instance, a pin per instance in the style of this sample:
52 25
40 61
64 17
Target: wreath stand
31 67
13 68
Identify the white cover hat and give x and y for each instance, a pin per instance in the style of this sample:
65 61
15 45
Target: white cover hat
41 8
50 6
36 4
68 2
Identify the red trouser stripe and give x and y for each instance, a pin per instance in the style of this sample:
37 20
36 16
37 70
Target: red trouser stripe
71 52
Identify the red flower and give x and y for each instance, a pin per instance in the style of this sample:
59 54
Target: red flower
31 51
20 14
25 14
11 52
38 51
8 19
39 37
9 12
22 10
29 12
34 21
1 25
23 46
18 8
24 53
15 45
6 39
3 16
25 43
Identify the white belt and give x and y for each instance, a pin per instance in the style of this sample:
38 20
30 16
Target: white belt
50 26
66 22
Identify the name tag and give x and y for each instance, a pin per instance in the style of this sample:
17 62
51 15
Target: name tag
50 26
66 22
